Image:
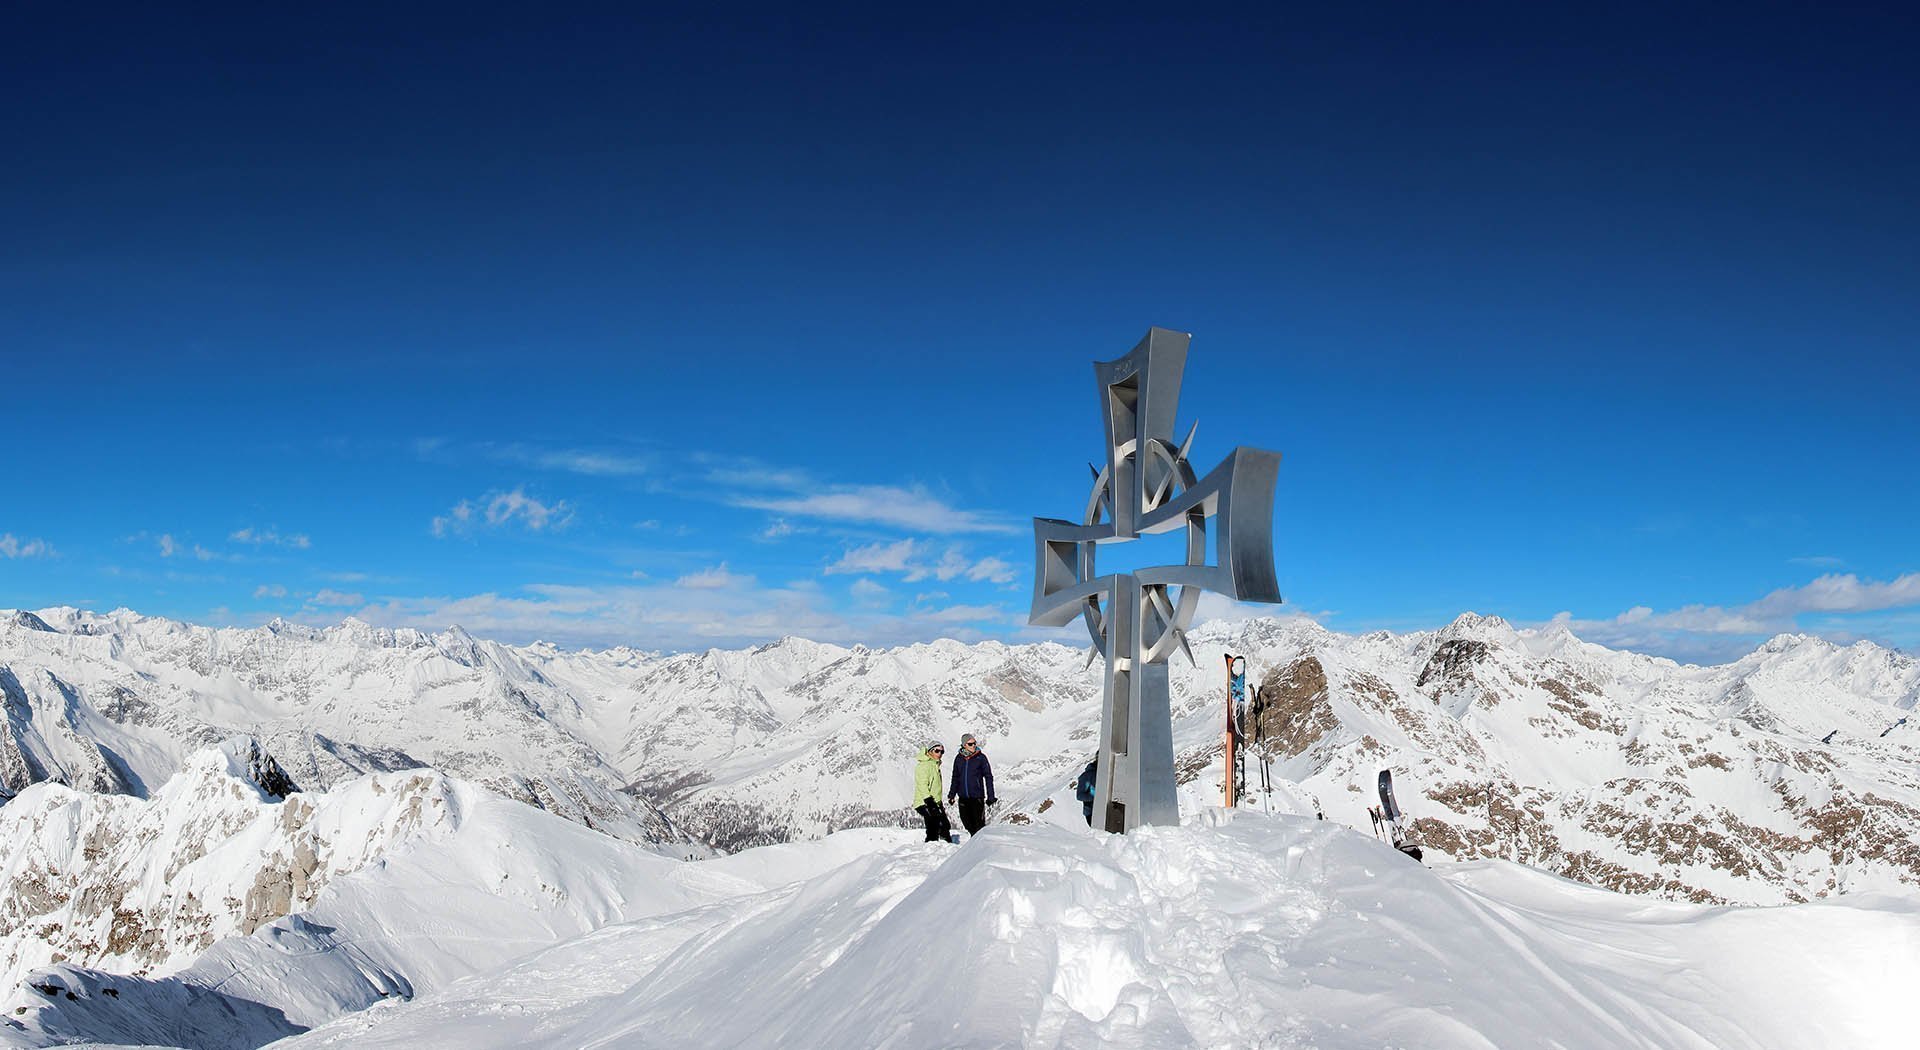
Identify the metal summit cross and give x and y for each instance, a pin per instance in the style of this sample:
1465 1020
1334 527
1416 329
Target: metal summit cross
1149 487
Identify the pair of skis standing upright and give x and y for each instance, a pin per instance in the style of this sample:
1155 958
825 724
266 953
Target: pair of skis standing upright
1388 822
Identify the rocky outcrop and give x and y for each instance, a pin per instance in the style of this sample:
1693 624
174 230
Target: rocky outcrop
140 885
1293 707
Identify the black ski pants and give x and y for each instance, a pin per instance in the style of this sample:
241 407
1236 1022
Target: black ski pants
973 814
939 829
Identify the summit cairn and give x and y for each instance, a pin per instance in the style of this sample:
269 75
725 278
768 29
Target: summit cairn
1135 619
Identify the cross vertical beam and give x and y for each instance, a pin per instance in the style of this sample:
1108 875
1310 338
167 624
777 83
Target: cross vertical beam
1136 622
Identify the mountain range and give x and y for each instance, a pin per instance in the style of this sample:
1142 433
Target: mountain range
1785 775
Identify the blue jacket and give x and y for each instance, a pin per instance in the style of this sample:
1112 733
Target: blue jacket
1086 787
972 777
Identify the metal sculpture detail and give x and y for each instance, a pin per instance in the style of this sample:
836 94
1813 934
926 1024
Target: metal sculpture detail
1138 619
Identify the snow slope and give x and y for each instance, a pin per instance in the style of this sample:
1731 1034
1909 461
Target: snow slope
411 881
1233 930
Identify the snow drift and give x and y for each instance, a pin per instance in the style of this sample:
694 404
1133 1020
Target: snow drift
216 916
1234 930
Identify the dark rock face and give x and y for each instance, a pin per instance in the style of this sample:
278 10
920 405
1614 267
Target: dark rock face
267 774
29 621
1291 707
1452 662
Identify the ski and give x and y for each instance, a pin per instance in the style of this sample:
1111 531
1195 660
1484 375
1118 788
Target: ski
1390 816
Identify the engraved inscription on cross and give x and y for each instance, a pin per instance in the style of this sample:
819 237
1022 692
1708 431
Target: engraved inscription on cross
1138 619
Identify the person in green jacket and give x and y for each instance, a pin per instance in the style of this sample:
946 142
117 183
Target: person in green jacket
926 790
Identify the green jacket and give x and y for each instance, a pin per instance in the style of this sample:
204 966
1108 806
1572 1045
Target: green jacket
926 779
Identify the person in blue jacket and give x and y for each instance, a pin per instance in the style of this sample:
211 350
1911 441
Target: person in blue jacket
1086 787
972 784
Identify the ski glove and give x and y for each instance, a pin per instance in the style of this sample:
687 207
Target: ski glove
929 802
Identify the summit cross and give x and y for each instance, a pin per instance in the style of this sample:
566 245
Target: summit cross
1135 619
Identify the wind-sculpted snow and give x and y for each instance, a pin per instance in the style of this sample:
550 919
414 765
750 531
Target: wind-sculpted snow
145 885
1251 932
280 916
1782 776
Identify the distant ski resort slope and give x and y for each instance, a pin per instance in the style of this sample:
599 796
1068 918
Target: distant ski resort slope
1234 930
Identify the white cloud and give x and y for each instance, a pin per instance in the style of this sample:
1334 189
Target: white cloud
879 557
271 537
170 547
891 505
913 560
12 546
992 570
496 509
714 579
669 616
796 493
1720 632
330 597
868 592
270 590
963 614
583 461
1841 593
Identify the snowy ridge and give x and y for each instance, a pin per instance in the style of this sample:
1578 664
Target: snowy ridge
145 885
224 918
1781 776
116 702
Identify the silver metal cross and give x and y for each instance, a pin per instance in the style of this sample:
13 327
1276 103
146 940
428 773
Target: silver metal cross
1136 621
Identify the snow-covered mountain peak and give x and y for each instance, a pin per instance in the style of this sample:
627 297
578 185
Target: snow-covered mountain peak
1786 642
145 884
248 762
1493 629
26 621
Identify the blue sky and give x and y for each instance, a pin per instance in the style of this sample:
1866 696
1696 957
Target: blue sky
677 330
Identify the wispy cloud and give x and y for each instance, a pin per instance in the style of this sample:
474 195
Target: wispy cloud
271 537
591 462
797 493
1819 561
172 548
779 529
911 508
12 546
914 560
270 590
867 592
334 599
496 509
714 579
673 617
